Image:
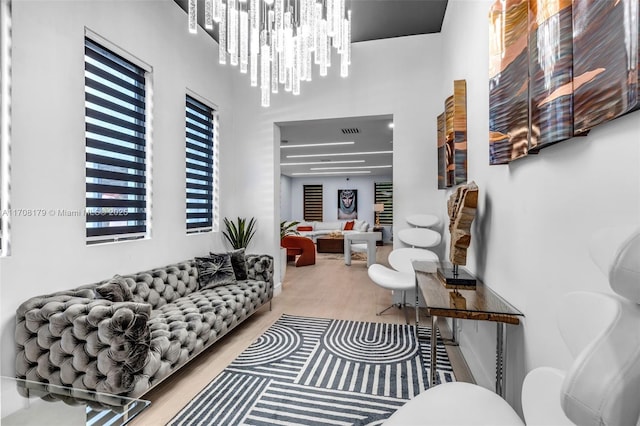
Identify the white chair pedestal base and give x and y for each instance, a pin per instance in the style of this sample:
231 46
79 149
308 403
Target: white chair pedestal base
392 280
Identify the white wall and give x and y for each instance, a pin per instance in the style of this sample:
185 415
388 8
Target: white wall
330 186
535 216
395 76
48 166
285 198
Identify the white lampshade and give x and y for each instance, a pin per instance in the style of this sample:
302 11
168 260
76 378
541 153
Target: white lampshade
378 207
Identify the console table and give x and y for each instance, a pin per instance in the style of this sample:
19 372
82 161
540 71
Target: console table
482 303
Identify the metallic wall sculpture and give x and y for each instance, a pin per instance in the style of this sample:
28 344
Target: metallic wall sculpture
605 60
450 166
442 154
452 138
508 81
460 130
550 72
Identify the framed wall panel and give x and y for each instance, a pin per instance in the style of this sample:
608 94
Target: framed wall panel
460 130
450 166
605 60
442 153
508 81
550 72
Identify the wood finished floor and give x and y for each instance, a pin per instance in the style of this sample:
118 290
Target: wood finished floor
328 289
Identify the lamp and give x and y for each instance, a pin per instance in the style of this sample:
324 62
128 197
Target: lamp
378 208
282 37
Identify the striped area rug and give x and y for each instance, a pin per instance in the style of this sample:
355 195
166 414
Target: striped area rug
314 371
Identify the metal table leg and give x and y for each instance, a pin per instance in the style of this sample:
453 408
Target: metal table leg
434 329
417 307
501 365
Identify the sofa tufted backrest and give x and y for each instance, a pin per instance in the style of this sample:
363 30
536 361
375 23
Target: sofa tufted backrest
160 286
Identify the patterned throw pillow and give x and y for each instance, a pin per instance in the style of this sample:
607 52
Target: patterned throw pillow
349 225
115 290
214 271
238 263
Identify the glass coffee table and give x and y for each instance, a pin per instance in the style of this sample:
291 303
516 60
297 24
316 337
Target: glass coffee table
33 403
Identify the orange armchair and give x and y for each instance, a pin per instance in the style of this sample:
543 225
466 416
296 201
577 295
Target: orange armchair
301 246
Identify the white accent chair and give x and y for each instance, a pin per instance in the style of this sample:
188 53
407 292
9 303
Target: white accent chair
423 220
601 387
401 278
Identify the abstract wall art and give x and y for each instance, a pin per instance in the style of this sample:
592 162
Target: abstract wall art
508 81
442 154
460 131
452 138
557 68
605 60
450 166
550 72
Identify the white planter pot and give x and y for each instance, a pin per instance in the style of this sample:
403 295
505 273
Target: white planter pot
283 263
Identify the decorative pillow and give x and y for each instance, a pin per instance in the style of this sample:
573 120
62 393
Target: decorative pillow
349 225
115 290
304 228
238 264
214 271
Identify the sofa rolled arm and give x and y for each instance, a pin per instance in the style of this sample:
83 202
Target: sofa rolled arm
260 267
85 343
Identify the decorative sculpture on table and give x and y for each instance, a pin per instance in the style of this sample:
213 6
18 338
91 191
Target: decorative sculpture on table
462 210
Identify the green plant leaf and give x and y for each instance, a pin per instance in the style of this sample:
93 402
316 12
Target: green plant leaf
240 233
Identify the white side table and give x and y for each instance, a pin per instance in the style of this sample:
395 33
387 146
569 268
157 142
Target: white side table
369 238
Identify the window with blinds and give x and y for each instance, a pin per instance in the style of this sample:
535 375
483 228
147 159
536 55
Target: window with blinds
116 155
199 164
384 195
312 199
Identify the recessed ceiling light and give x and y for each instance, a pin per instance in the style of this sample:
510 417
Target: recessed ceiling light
309 163
350 167
313 145
360 172
339 153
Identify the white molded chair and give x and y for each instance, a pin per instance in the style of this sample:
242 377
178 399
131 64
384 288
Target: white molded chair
601 387
401 277
391 280
423 220
419 237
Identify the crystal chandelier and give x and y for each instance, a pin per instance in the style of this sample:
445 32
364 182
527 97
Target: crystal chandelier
278 41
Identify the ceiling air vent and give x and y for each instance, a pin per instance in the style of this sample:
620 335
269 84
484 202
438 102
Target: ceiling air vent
350 131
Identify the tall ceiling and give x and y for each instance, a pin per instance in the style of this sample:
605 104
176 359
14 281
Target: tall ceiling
371 20
376 19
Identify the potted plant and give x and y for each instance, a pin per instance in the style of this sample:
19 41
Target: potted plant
286 228
240 232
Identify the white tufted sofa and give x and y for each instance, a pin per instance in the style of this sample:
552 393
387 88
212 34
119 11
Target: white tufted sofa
325 228
76 339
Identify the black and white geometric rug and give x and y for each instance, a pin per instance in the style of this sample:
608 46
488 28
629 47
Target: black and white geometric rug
314 371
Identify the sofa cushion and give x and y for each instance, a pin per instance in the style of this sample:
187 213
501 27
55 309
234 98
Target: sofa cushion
238 263
115 290
328 226
304 228
360 225
349 225
215 270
